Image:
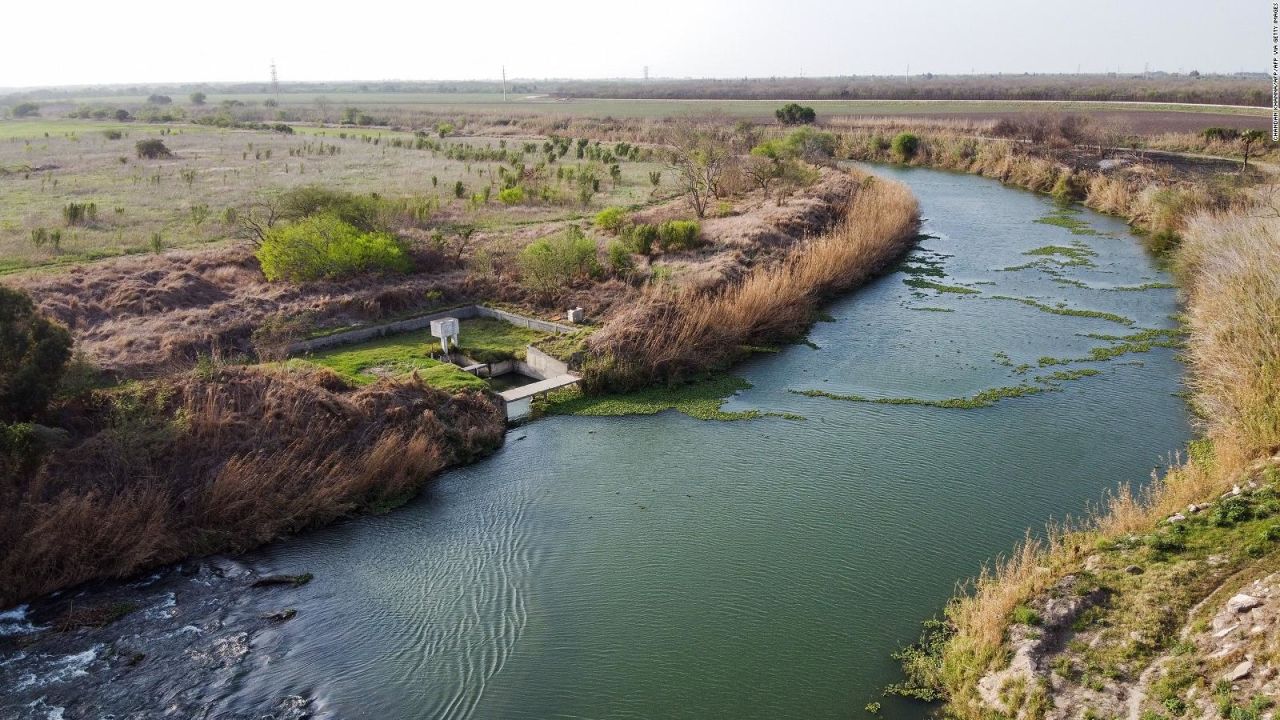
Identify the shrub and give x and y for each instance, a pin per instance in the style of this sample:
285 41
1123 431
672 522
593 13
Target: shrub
77 213
360 211
112 134
1024 615
152 149
619 257
611 219
549 264
159 99
676 235
26 109
33 353
459 190
324 246
810 144
642 237
123 115
511 195
904 146
795 114
198 98
1229 511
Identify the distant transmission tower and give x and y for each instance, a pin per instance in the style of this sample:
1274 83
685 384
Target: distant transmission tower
504 83
275 80
646 72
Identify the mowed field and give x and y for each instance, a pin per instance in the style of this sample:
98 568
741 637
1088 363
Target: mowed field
141 205
1146 116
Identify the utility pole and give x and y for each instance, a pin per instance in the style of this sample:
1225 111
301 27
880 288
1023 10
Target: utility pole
504 83
275 80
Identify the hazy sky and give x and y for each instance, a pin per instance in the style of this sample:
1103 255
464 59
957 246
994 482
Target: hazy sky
127 41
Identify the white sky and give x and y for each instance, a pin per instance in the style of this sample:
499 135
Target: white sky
127 41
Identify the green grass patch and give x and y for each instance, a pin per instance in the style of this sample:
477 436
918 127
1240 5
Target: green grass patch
701 400
392 356
490 340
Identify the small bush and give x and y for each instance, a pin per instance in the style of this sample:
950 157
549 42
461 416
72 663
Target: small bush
325 247
198 98
643 237
362 211
550 264
159 99
677 235
33 353
619 257
904 146
112 134
1229 511
611 219
152 149
511 195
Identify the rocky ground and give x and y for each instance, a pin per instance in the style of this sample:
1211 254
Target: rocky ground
175 644
1183 622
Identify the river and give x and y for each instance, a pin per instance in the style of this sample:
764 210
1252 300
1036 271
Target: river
665 567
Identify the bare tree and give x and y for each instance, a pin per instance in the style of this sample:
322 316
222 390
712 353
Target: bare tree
259 217
1247 139
699 158
762 171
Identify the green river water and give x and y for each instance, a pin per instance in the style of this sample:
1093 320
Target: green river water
665 567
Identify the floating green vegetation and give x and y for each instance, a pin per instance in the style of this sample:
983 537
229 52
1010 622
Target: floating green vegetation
1074 255
1002 358
701 400
1062 309
1066 375
927 308
1139 342
930 285
986 398
1066 218
1143 286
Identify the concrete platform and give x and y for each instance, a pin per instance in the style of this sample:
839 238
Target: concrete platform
537 388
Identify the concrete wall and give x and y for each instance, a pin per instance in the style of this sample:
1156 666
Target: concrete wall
421 322
542 365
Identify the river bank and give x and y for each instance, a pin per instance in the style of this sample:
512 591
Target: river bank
666 566
1136 611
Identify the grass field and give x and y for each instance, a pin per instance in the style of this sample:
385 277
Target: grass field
192 198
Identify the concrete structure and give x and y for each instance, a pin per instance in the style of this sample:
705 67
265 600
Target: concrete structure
519 401
576 315
447 330
462 312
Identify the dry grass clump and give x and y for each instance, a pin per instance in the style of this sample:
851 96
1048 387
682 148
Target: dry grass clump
1230 266
674 337
157 471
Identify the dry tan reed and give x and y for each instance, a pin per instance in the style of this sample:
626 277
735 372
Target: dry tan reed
188 466
673 338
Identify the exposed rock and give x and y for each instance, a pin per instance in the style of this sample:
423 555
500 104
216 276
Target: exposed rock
1176 518
1239 672
1242 602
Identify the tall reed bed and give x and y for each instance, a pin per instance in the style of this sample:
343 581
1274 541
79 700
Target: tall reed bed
173 468
673 337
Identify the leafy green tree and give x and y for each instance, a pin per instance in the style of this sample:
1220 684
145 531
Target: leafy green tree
33 354
26 109
795 114
198 98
